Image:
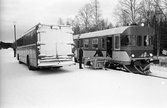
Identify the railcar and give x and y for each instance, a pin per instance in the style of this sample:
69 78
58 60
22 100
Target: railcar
127 46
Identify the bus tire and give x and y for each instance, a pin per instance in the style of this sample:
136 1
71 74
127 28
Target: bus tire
18 58
28 64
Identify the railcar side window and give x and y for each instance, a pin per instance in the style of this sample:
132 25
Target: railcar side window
86 43
150 40
117 44
94 43
139 40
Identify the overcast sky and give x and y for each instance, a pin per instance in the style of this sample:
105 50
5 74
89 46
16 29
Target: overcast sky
27 13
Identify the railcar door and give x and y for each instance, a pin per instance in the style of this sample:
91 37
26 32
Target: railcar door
109 46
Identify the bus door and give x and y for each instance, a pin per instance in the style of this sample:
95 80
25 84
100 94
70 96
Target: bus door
109 46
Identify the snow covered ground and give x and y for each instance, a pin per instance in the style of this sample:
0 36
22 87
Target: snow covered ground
69 87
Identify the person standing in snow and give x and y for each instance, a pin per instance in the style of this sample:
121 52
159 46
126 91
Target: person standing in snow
80 57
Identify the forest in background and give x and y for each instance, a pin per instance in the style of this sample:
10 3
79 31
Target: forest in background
5 45
152 13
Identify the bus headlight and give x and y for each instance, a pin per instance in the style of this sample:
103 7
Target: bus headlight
151 55
132 55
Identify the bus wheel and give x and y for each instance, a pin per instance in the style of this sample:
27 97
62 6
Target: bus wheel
18 58
28 64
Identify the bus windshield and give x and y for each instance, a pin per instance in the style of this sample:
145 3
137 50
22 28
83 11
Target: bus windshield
128 40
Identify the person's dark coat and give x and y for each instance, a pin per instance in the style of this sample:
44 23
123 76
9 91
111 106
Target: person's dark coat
99 53
80 57
80 53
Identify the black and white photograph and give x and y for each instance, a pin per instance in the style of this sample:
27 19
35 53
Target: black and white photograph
83 54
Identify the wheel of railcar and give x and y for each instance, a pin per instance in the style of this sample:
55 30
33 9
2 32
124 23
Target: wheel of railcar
112 66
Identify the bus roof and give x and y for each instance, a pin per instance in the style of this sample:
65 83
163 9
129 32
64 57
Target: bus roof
112 31
39 24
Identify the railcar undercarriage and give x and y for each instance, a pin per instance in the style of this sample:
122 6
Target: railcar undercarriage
138 69
140 66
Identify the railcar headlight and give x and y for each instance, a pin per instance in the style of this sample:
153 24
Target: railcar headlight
132 55
39 62
151 55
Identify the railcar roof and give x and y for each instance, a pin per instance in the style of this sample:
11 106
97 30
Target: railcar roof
112 31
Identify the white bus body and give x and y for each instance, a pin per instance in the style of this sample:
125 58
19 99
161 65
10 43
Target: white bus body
46 46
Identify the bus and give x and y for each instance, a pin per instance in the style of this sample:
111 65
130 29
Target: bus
46 46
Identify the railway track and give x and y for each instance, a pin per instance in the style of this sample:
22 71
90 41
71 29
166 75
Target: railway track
136 70
157 76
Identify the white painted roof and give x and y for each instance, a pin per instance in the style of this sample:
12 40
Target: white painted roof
112 31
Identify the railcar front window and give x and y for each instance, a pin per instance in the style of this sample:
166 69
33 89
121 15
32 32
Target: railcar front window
148 40
128 40
132 40
124 40
139 40
145 41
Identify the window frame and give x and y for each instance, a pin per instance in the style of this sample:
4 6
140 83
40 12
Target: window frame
122 40
115 36
146 40
130 40
95 42
86 43
137 40
103 43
